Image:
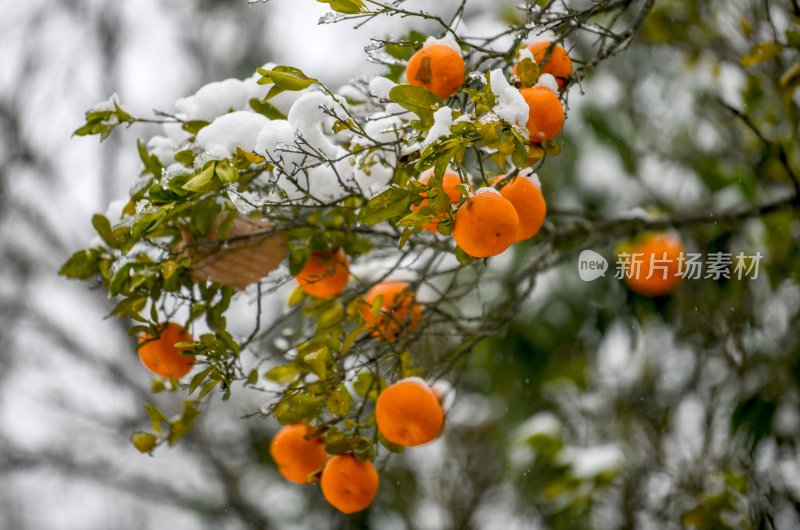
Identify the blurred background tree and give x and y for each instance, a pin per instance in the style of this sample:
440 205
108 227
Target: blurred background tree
597 409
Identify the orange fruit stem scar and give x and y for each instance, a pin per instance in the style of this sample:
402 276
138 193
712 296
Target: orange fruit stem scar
162 357
409 413
438 68
296 455
349 484
486 224
325 274
399 310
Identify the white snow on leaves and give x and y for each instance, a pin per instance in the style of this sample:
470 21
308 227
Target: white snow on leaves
509 103
229 131
442 120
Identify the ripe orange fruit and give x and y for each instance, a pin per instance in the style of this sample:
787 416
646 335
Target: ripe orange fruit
160 356
486 224
325 274
399 311
296 456
349 484
438 68
559 65
449 182
408 413
652 264
528 201
545 115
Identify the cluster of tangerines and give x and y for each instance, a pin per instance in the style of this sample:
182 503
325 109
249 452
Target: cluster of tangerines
492 219
407 413
440 69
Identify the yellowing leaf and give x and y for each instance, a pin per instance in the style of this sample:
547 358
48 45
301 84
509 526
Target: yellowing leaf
763 51
201 179
144 442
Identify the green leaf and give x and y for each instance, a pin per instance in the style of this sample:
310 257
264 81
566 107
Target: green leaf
283 374
193 127
367 386
151 163
346 444
350 339
226 172
208 387
405 48
296 297
144 442
147 222
331 317
274 91
316 357
200 181
130 307
528 72
390 203
265 108
298 256
103 122
168 268
393 447
552 147
179 427
156 416
405 236
185 157
199 378
286 78
103 227
80 266
348 7
122 275
462 257
377 305
299 407
418 100
339 401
